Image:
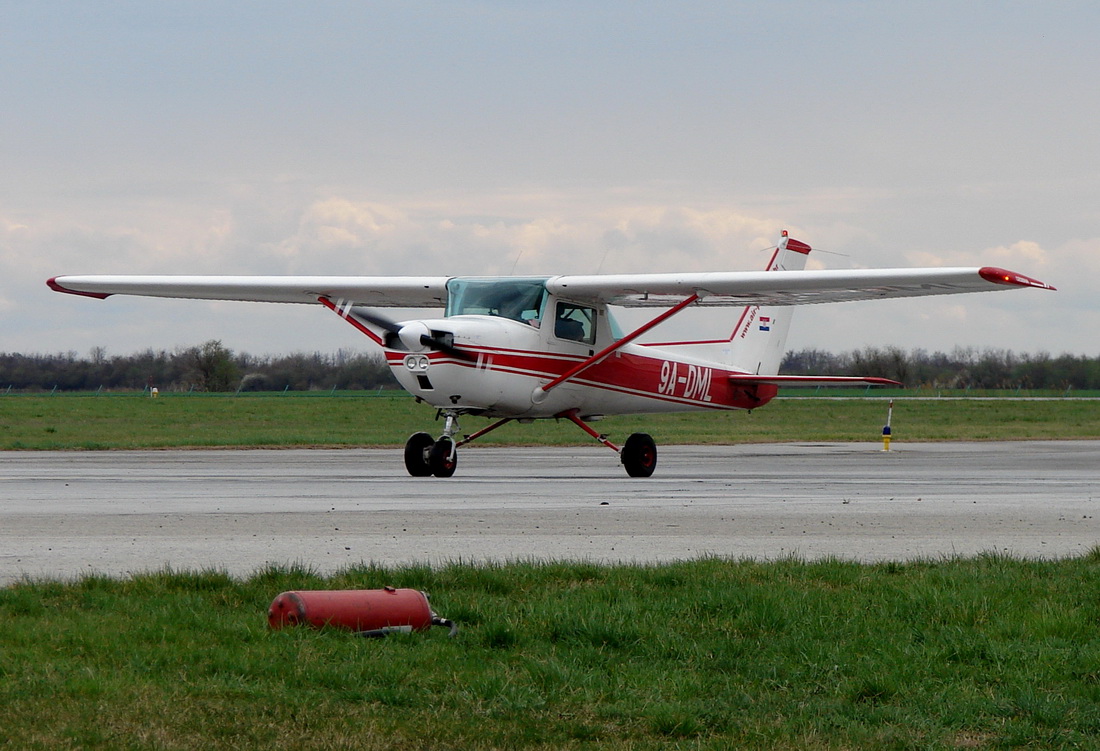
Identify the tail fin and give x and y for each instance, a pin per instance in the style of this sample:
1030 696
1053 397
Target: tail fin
758 341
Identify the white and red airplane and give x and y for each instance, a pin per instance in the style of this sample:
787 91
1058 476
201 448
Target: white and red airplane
529 348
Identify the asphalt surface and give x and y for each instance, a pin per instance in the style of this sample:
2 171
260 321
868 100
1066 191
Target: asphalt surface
64 514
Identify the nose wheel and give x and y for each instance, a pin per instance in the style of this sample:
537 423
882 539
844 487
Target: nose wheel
425 456
417 450
443 457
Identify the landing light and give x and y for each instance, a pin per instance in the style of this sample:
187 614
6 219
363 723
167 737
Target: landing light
416 363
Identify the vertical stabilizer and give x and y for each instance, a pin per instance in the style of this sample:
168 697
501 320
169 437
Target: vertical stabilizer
758 341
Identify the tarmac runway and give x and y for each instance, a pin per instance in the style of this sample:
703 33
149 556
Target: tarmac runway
64 514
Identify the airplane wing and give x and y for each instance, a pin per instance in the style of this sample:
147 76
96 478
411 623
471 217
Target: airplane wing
628 290
372 291
784 287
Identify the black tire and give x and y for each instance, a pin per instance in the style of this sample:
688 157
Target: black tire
639 455
416 454
443 459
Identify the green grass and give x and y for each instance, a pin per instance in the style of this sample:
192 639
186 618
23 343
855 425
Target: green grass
129 422
982 653
122 422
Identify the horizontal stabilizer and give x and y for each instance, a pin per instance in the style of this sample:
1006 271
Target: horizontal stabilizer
796 380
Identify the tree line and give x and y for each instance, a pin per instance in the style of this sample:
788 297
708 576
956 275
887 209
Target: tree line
206 367
962 368
213 367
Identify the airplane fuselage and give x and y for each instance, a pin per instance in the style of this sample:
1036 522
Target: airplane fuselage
506 362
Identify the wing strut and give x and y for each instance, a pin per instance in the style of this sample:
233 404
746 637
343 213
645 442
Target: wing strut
344 309
540 392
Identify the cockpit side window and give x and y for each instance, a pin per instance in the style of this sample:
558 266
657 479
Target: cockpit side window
518 298
575 322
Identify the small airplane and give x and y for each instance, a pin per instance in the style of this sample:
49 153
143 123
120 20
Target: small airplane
527 348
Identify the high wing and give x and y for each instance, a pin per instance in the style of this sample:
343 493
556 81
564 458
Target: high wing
373 291
628 290
784 287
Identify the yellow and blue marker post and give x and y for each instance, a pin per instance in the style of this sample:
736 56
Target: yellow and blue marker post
886 428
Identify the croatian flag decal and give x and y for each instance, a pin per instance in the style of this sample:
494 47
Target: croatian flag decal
765 323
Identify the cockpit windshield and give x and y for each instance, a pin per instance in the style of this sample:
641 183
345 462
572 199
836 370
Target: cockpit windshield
518 298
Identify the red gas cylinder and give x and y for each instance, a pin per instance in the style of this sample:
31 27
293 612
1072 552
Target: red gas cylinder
371 611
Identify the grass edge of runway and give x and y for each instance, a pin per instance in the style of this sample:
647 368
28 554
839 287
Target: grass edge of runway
981 652
132 422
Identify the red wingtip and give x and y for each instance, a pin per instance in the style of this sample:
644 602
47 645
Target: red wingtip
1004 276
53 284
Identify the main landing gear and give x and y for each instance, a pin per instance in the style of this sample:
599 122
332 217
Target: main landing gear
426 456
639 455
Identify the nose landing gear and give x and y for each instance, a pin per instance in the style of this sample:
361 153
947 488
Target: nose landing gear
426 456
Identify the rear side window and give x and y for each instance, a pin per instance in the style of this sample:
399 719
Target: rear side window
575 322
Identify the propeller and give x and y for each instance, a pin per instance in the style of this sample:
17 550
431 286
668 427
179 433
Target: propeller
415 335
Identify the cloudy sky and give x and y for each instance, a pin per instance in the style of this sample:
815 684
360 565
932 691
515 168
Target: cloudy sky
563 136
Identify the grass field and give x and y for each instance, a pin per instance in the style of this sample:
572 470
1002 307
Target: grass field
712 654
128 422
